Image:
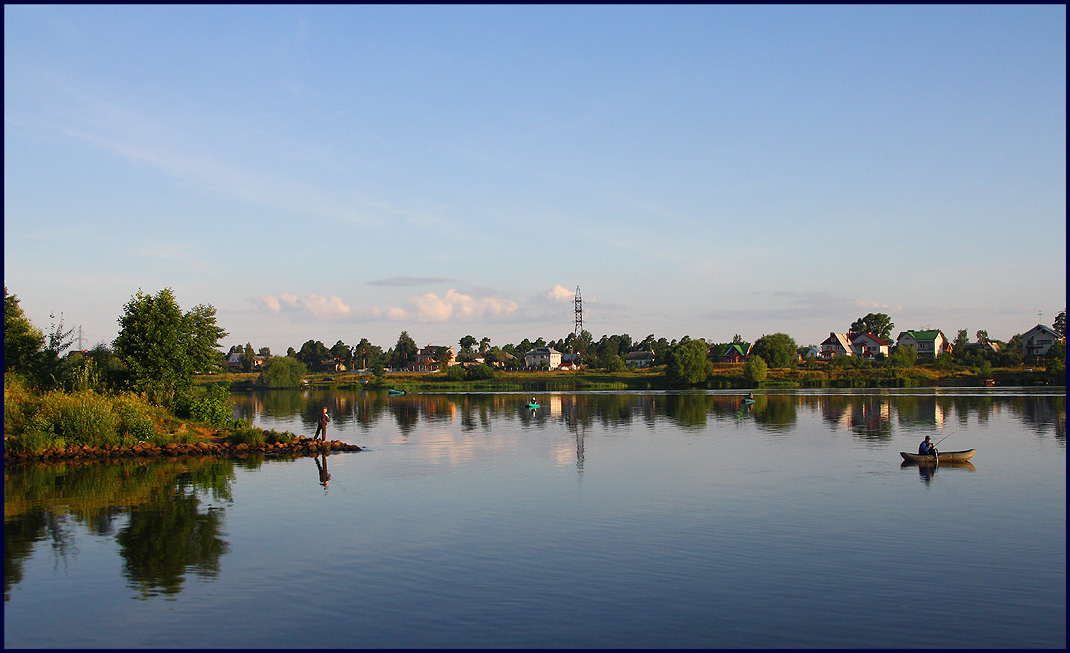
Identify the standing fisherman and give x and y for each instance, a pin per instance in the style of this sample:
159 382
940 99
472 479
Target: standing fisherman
322 427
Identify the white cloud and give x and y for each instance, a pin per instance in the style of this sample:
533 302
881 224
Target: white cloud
313 304
456 306
560 294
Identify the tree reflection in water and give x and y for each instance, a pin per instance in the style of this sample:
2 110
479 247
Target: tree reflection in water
168 530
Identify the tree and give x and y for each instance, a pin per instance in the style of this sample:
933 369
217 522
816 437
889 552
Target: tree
961 340
737 339
755 370
313 354
982 337
265 352
778 350
282 372
341 351
878 324
404 351
688 362
1059 325
162 347
442 357
247 358
204 336
467 343
22 340
484 344
903 357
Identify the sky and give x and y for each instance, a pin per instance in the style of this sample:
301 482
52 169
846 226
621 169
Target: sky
344 172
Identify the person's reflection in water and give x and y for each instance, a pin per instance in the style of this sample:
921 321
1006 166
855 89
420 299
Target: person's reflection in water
325 476
927 472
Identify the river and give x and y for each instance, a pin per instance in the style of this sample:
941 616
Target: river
599 520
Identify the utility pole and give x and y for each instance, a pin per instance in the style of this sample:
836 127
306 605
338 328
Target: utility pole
80 337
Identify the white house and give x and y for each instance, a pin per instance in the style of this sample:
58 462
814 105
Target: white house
546 358
868 345
1038 340
930 343
639 358
837 344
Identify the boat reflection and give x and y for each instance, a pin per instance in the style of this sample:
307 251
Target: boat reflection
928 470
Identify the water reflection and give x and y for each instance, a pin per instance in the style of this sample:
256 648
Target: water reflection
165 515
928 471
869 416
324 475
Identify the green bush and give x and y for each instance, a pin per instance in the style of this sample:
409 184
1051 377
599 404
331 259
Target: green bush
479 372
755 370
82 418
135 418
282 372
215 408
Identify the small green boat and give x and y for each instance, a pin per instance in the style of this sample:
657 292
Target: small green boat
533 406
395 392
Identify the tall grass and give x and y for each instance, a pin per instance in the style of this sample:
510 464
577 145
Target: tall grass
35 422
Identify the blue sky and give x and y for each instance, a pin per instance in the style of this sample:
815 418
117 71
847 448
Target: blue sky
333 172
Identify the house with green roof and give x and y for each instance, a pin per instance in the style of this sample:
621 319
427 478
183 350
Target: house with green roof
737 352
930 343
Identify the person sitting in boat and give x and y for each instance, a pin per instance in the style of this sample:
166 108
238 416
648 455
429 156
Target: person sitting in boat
926 447
533 401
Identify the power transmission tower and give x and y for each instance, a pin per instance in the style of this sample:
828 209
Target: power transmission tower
578 310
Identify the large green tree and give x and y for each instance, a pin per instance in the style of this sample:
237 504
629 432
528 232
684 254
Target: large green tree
778 350
878 324
688 362
404 351
162 347
22 340
313 354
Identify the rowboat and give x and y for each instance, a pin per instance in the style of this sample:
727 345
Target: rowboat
395 392
746 401
533 406
944 456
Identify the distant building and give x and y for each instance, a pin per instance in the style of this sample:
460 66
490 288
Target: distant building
639 358
427 359
737 352
545 358
1038 340
929 343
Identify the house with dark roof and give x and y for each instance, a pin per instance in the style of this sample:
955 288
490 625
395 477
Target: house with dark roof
868 345
1038 340
427 359
639 358
929 343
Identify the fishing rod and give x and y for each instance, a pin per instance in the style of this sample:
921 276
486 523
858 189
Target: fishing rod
946 437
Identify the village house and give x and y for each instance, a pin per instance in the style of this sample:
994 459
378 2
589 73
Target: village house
868 345
737 352
427 359
1038 340
544 358
930 343
639 358
837 344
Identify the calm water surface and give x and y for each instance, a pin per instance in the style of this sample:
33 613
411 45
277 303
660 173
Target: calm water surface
600 520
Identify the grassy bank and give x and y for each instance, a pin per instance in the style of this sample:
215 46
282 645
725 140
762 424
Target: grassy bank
726 377
85 421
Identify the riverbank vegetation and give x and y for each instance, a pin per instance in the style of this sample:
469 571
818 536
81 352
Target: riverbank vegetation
139 396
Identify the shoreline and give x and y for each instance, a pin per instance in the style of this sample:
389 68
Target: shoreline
217 446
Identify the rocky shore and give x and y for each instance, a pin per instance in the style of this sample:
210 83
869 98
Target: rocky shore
298 446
